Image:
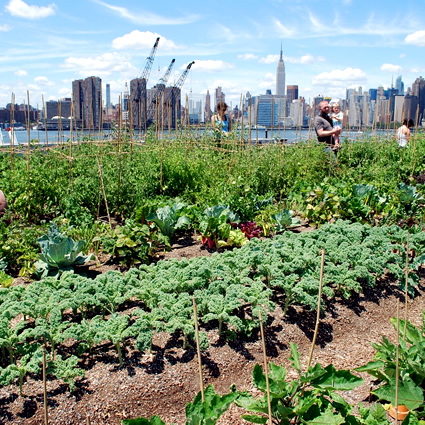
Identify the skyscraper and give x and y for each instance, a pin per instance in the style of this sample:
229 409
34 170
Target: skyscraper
207 111
87 99
280 76
418 88
138 102
399 85
292 93
219 96
108 95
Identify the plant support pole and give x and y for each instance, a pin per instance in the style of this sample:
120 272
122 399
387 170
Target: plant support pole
46 411
266 369
318 309
397 361
407 286
195 312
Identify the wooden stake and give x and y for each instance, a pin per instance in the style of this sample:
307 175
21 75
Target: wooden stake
102 187
318 309
266 369
406 289
201 378
397 365
46 411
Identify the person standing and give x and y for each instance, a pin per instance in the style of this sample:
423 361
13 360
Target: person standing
323 126
403 133
221 120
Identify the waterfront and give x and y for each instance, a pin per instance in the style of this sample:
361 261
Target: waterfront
262 135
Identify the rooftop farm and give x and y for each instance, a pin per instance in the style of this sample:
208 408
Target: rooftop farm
138 278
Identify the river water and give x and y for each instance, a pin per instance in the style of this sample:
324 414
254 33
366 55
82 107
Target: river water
260 135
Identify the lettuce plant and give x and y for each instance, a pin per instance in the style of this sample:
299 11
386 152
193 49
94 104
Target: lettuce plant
59 253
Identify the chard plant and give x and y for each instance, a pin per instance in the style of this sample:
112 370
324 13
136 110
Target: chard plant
214 225
131 244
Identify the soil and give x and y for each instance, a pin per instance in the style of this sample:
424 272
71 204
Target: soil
162 383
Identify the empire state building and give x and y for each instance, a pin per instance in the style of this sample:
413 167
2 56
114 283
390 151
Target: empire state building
280 76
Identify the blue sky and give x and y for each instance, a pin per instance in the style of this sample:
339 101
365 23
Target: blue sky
327 46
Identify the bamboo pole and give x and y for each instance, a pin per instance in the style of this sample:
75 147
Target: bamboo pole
266 369
198 348
397 362
316 329
28 119
46 409
102 187
407 285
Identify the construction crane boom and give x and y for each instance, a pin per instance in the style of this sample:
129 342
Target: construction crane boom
182 78
179 84
164 79
149 61
160 88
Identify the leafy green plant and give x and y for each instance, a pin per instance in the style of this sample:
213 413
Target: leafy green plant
65 369
169 219
5 280
214 225
29 361
198 412
59 253
311 398
282 220
411 366
130 244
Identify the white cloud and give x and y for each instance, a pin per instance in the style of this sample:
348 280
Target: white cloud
284 31
100 65
247 56
22 10
307 59
21 73
395 69
43 81
142 40
270 59
340 78
5 28
65 92
269 81
210 66
147 18
417 39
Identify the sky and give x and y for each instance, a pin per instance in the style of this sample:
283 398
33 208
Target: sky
327 46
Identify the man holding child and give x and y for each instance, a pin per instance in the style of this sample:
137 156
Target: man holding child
323 126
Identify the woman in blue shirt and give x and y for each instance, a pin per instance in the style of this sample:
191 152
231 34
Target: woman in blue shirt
220 121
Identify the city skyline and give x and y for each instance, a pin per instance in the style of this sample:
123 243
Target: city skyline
351 44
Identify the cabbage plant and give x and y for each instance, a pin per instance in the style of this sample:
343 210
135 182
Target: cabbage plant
59 253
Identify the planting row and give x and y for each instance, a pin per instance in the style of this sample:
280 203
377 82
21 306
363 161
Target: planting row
86 181
315 396
156 224
230 289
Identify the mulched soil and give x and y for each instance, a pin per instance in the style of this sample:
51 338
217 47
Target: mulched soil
164 382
